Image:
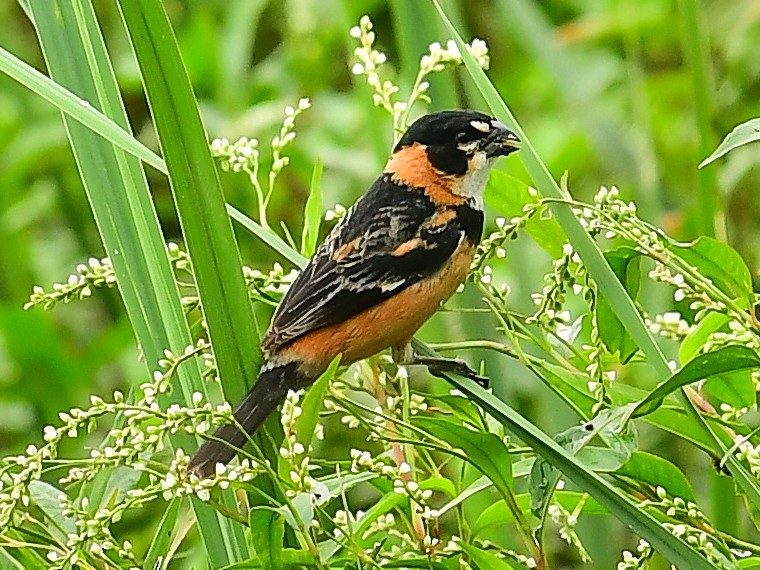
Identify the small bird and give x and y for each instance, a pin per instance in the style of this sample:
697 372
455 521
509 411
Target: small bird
399 252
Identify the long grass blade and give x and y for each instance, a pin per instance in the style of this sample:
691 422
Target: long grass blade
197 195
79 109
117 190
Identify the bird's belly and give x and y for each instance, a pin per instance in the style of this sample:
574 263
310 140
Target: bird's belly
390 323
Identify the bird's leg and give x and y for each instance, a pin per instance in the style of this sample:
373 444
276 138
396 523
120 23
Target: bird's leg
436 365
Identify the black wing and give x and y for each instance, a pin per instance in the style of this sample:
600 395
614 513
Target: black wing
393 237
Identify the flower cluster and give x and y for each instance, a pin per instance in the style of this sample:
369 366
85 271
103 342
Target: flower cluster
370 60
691 527
269 287
637 561
293 451
239 156
146 427
612 217
95 274
751 454
243 155
700 302
567 522
702 542
394 404
177 482
91 535
336 213
363 462
676 507
385 92
739 332
493 244
670 325
439 57
286 136
567 274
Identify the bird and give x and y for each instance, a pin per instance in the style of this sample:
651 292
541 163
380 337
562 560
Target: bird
385 268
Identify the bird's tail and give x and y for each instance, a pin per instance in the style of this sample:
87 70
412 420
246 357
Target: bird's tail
269 391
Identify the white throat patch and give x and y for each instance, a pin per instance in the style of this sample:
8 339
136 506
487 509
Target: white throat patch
473 184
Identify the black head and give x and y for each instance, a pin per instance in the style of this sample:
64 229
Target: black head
452 138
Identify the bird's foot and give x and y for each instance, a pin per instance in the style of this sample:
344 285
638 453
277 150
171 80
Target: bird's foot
438 366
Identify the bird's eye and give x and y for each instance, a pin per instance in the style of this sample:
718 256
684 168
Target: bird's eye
461 137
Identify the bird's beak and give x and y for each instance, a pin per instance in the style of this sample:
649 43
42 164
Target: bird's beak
501 141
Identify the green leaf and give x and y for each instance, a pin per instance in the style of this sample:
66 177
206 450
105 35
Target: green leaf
727 359
290 559
462 409
22 559
114 486
312 404
421 562
384 505
328 549
312 214
735 389
267 531
625 263
720 263
697 338
480 484
507 195
657 471
440 484
483 559
742 134
498 514
335 485
304 507
570 385
611 425
603 459
48 499
162 537
485 451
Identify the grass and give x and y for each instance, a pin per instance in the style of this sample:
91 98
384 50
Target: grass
548 69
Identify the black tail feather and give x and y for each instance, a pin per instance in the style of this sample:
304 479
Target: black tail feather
269 391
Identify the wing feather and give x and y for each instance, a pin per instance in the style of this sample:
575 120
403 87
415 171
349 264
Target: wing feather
393 237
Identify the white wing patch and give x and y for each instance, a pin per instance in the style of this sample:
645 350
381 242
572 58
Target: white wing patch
391 286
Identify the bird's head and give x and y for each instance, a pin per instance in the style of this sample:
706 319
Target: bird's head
453 138
458 146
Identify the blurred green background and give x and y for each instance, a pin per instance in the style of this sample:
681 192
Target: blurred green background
632 93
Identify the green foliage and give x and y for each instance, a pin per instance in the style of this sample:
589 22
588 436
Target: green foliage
741 134
650 341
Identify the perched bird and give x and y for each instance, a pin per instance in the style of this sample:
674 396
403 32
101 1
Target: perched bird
386 267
